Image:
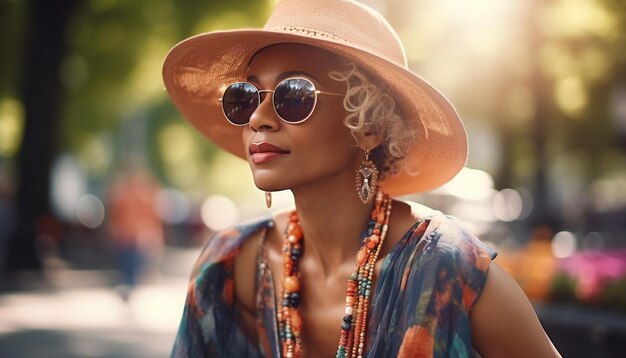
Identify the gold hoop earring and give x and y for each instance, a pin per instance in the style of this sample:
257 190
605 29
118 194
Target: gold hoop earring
366 179
268 199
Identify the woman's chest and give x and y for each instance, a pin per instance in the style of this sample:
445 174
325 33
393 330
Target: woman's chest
322 303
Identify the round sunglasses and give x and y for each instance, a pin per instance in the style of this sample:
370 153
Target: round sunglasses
293 99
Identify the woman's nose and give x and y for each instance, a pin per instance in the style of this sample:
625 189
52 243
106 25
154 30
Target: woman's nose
265 117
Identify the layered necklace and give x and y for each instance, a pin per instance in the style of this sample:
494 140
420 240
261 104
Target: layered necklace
354 323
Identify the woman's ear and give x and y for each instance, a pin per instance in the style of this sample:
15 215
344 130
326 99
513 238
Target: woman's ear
369 139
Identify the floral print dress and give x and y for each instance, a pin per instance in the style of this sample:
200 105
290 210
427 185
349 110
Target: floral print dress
428 285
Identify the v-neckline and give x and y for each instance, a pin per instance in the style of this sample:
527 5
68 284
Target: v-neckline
264 269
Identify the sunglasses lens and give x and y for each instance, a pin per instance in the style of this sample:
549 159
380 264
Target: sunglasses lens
240 100
294 99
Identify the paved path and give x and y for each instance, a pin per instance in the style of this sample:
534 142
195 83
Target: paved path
83 317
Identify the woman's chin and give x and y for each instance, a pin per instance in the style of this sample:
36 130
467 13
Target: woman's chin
266 185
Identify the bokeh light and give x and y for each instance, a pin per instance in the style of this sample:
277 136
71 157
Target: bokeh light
90 211
564 244
172 206
507 205
11 122
469 184
570 95
219 212
68 185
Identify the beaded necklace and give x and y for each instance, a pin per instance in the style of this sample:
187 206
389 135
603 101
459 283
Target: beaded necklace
354 324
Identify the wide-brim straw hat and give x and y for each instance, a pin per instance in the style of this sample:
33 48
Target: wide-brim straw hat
197 70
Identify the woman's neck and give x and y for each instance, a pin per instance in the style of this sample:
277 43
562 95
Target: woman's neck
332 219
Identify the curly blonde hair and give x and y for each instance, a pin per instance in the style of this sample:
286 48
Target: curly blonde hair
371 108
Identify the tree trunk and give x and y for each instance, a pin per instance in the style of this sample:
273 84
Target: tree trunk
41 94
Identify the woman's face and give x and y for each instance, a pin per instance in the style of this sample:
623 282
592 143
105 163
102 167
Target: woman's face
288 156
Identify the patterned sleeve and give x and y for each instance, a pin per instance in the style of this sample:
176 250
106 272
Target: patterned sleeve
434 278
209 327
473 264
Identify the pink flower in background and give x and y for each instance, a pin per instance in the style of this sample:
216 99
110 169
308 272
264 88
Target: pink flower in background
593 269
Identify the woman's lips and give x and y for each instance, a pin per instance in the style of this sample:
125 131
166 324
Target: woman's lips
264 152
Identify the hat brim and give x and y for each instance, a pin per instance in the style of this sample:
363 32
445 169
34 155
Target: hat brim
197 70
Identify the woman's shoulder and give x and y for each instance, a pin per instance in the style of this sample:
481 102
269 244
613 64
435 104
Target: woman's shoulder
446 240
224 245
454 237
449 233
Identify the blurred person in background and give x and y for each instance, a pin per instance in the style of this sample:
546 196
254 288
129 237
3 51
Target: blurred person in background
320 102
136 230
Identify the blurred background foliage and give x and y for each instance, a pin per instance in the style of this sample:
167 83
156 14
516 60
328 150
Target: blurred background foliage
541 85
114 101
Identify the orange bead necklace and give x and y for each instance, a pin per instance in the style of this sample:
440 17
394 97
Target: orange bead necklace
354 323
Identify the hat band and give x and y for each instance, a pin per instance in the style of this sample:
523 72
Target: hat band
307 32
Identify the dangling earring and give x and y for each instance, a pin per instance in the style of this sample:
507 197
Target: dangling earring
268 199
366 179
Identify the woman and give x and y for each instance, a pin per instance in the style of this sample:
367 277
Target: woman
319 97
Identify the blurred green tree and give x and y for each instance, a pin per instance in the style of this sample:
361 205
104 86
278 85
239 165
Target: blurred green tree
85 69
544 75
